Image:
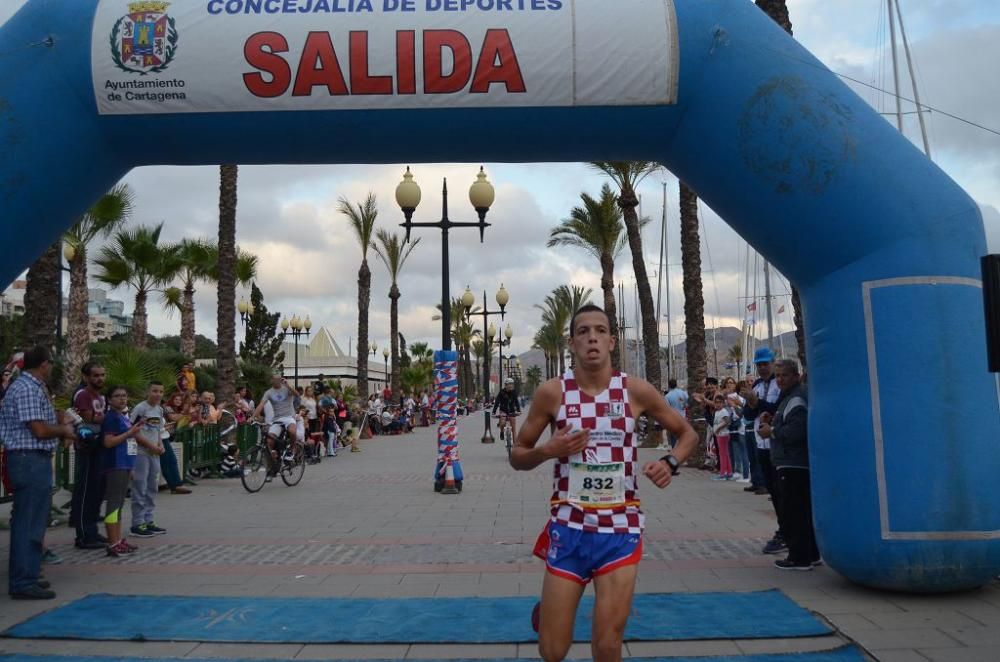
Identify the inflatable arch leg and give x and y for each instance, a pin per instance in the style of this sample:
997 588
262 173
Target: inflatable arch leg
883 245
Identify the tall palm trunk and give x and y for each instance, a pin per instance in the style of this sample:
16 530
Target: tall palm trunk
608 287
139 321
628 201
41 298
364 300
694 313
225 387
394 295
187 322
778 11
78 322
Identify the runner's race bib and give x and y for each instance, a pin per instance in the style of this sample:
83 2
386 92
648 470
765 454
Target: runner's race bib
594 485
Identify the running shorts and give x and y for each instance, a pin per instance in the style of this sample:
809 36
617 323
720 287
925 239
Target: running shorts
581 555
279 424
116 484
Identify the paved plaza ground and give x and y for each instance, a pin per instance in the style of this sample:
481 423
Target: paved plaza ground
369 525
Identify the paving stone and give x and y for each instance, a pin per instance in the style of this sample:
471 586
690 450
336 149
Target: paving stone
978 654
453 651
352 652
242 650
370 525
914 638
790 645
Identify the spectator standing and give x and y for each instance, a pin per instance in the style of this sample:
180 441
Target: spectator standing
187 372
88 480
4 382
720 428
30 431
243 405
788 434
208 414
677 398
308 401
737 440
118 457
174 418
762 399
145 475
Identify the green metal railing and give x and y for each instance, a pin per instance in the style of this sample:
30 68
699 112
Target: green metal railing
198 449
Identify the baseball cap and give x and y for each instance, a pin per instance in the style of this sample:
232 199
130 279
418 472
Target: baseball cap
763 355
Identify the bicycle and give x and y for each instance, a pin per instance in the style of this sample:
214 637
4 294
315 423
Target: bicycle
506 433
258 464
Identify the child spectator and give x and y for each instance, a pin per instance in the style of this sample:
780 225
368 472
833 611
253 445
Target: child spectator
721 429
145 475
120 450
229 466
331 430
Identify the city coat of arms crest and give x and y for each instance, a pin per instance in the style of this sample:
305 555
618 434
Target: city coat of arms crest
144 41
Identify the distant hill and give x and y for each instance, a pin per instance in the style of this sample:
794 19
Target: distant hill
724 338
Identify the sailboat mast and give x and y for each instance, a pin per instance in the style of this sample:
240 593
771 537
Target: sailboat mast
895 66
767 300
913 80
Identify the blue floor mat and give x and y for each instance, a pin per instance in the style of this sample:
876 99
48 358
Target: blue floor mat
654 617
845 654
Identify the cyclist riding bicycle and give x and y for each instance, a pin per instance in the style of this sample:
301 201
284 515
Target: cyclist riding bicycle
282 399
508 404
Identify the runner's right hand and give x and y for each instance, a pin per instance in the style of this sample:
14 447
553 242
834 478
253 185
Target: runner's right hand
566 442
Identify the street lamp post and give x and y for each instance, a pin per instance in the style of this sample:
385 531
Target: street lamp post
468 300
448 473
501 343
68 252
385 355
297 327
481 195
246 312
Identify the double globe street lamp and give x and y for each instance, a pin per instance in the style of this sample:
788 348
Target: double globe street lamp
481 195
468 301
297 327
508 333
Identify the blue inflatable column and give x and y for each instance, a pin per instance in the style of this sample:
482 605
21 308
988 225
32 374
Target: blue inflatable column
448 472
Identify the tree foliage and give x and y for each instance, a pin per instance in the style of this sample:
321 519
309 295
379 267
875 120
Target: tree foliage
263 339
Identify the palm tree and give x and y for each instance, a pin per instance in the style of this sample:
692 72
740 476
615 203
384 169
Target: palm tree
548 340
479 351
463 334
778 11
627 175
694 312
393 251
225 387
199 260
570 298
532 378
136 259
420 374
41 298
362 218
597 228
558 310
109 213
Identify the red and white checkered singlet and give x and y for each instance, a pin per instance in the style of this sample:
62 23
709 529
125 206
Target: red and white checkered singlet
609 410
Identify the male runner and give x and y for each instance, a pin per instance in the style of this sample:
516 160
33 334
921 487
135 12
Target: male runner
595 532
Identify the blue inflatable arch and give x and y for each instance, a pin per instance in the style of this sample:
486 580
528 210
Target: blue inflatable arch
883 245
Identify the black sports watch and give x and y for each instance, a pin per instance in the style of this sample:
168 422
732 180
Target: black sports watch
672 462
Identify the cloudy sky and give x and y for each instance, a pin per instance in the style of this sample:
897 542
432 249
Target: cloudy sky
309 257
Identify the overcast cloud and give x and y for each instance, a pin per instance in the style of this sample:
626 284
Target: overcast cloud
309 257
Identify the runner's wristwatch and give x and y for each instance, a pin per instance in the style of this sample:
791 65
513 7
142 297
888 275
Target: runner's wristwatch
672 462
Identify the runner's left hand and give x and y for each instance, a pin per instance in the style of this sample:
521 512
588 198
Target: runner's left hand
658 472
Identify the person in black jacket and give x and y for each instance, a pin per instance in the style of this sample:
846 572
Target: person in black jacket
788 432
508 404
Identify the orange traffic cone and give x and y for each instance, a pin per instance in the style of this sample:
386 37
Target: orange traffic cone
449 479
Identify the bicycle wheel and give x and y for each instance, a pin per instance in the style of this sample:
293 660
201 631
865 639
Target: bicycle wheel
293 468
508 437
253 469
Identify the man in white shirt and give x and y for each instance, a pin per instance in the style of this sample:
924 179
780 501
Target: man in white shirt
762 402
